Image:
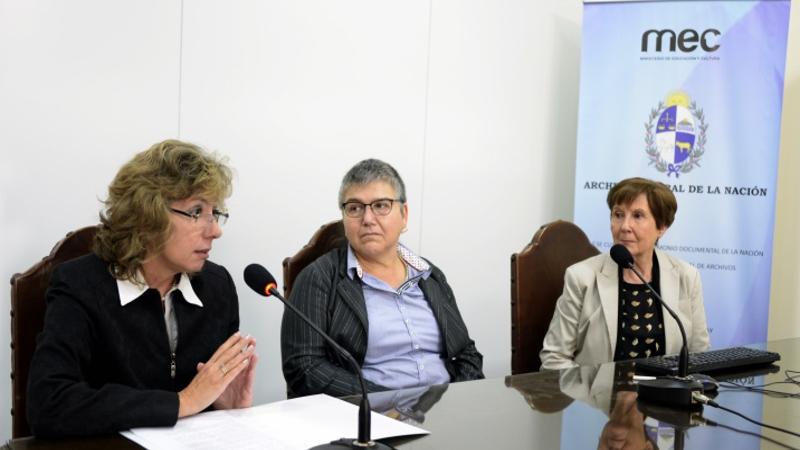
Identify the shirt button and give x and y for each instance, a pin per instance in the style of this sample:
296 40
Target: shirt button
416 347
422 367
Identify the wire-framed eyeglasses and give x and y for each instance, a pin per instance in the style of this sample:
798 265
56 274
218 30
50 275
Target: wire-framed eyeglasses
215 215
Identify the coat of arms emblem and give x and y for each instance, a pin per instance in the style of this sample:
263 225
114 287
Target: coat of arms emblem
675 135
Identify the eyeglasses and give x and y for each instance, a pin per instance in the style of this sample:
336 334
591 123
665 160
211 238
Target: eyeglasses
215 216
380 207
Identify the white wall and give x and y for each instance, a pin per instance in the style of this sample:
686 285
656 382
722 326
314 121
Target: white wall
502 114
784 314
475 103
784 317
83 85
296 93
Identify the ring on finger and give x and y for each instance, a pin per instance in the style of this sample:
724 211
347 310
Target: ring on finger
223 369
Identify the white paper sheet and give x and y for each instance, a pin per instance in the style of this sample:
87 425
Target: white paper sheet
299 423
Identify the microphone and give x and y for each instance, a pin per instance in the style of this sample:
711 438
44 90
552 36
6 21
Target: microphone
260 280
676 391
622 256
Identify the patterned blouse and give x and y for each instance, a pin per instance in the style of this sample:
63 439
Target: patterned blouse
640 321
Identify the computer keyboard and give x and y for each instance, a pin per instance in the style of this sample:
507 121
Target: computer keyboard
708 362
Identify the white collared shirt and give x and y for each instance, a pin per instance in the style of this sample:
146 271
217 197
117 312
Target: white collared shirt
129 291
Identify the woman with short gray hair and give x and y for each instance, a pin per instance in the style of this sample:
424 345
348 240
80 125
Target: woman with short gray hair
390 308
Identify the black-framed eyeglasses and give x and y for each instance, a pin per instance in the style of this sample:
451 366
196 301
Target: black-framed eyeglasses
215 216
379 207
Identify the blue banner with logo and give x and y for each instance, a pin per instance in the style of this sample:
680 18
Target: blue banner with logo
689 93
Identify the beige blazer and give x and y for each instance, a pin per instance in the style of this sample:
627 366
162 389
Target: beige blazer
592 384
584 325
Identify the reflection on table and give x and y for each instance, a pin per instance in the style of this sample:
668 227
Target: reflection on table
585 407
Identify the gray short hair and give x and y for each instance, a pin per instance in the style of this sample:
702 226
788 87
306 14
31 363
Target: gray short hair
370 170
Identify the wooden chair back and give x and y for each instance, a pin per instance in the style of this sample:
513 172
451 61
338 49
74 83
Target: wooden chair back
328 237
537 279
28 290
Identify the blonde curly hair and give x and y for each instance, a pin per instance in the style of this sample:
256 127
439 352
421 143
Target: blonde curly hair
135 221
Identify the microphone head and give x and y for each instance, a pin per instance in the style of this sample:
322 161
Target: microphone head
621 255
259 279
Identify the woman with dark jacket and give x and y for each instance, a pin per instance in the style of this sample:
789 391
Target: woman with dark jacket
391 309
144 330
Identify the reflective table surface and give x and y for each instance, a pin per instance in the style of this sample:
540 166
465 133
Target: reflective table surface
597 407
581 408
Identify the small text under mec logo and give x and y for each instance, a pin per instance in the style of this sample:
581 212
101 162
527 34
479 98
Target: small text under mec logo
685 41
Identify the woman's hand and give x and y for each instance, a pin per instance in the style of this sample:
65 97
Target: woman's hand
226 379
239 393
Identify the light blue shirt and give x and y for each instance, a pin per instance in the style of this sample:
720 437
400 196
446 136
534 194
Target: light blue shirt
403 344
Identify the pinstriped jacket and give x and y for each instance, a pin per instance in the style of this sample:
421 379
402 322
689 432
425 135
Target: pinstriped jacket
334 302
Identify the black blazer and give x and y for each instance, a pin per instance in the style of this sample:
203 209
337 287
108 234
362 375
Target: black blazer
311 367
100 367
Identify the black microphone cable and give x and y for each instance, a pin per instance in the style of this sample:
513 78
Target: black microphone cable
700 398
792 378
711 423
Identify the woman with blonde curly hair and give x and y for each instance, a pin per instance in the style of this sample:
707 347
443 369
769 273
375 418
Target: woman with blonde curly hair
144 330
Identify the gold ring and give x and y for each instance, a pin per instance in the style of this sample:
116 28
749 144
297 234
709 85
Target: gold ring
223 369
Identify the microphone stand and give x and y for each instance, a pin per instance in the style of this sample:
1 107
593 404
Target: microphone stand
674 391
680 420
683 358
364 426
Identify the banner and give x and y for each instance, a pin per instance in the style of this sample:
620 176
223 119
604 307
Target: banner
689 93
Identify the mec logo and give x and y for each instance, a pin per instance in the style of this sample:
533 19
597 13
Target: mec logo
685 41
